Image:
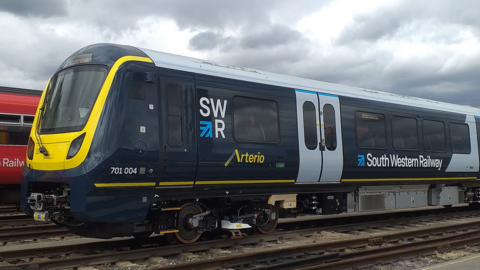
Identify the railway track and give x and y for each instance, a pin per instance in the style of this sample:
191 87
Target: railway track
17 222
24 230
331 255
10 210
314 247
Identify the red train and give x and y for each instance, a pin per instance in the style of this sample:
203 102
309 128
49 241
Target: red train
17 110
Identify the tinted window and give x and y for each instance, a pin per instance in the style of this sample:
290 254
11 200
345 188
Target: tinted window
404 131
370 129
310 125
14 138
174 108
460 138
70 97
329 127
10 118
136 85
434 136
255 120
28 120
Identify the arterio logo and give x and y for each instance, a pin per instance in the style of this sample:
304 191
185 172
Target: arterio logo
396 161
246 158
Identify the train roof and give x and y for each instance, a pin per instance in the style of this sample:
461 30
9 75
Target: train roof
20 91
172 61
108 54
18 101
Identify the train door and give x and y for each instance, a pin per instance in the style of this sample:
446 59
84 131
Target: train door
477 121
331 146
319 137
309 137
177 104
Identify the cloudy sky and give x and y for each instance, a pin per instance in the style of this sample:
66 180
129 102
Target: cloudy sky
421 48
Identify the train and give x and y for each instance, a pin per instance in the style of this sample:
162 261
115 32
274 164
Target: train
17 111
133 142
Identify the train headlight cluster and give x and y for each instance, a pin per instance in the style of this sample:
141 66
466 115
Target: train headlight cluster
75 146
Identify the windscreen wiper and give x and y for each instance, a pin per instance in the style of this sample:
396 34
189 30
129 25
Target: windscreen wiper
42 149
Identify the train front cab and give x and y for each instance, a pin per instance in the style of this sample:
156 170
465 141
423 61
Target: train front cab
93 153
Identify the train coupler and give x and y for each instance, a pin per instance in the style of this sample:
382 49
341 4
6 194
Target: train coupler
41 216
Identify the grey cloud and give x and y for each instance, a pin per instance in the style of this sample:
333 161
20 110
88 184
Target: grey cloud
242 33
387 21
383 22
370 29
37 8
37 61
218 14
268 37
208 15
207 41
274 36
279 59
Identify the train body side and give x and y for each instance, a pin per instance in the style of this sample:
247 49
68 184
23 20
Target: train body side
17 110
160 138
416 164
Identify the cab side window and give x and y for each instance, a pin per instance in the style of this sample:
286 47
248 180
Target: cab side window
136 85
174 117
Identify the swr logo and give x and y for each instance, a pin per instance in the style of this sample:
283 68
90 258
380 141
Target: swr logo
361 160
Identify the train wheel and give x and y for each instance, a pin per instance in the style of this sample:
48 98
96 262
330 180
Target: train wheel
187 233
272 216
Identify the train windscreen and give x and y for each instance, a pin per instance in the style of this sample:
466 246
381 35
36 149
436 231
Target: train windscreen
70 98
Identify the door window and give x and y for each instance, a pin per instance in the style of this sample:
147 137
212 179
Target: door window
310 125
329 127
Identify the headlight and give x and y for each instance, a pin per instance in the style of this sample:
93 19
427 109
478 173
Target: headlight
30 148
75 146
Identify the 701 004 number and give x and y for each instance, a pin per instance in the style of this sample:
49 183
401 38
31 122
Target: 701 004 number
120 170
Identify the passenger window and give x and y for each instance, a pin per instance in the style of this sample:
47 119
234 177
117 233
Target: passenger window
310 125
10 118
175 119
460 138
255 120
370 128
28 120
434 136
136 89
329 127
405 133
14 138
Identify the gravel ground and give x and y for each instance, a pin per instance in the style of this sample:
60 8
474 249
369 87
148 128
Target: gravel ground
323 236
